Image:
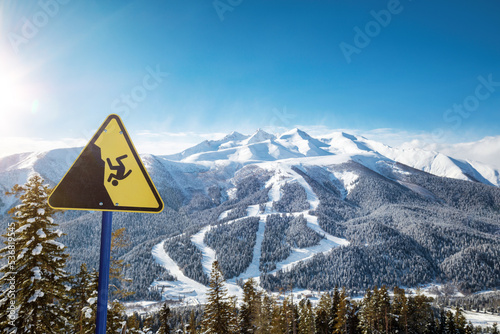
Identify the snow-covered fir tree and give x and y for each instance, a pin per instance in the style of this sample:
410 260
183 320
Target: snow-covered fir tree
34 282
164 316
306 317
217 315
249 308
83 304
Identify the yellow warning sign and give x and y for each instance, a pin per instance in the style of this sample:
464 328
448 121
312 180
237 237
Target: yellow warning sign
107 176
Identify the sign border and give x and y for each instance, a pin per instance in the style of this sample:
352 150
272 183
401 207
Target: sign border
137 159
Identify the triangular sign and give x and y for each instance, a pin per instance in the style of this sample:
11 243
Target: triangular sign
108 175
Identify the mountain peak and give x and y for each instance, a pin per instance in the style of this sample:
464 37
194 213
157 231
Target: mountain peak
260 136
295 133
234 136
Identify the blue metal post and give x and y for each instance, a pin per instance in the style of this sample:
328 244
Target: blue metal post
102 288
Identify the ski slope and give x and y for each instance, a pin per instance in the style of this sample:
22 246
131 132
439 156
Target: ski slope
194 291
184 287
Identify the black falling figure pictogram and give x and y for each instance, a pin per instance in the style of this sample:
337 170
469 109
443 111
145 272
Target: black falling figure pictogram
120 170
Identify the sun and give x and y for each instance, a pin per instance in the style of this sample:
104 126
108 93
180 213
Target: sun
16 94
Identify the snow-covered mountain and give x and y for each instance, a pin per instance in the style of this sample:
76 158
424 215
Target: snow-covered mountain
262 146
312 212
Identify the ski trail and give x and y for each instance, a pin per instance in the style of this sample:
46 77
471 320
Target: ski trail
208 253
327 244
194 292
253 269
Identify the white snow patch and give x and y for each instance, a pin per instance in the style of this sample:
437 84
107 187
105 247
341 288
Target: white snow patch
348 180
40 211
21 255
41 233
87 312
37 294
224 214
37 250
37 274
479 319
253 210
56 243
22 228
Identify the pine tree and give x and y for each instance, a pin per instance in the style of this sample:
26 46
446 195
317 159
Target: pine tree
306 317
334 309
400 310
248 310
450 323
116 318
460 322
118 283
342 311
148 324
217 315
192 322
352 318
469 329
322 322
134 324
442 321
420 313
34 282
495 329
291 315
164 316
367 313
266 314
278 322
384 309
83 296
233 314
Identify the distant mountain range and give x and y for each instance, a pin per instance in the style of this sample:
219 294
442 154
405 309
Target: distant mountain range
295 210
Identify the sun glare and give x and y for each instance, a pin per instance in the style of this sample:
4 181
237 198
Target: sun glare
16 97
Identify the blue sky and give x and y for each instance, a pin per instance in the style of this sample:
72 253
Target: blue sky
180 71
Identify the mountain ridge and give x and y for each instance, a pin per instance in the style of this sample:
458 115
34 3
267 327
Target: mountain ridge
315 212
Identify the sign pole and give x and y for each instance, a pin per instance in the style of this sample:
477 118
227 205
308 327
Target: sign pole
102 288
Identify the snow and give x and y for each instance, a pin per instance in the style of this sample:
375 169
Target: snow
21 255
40 212
253 210
223 214
479 319
31 220
253 269
37 250
348 179
56 243
41 233
22 228
194 293
38 293
207 252
87 312
36 273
